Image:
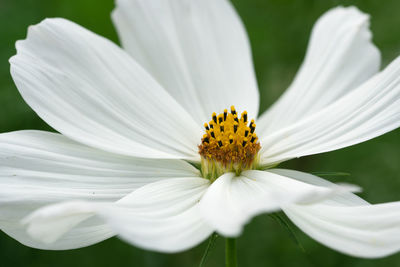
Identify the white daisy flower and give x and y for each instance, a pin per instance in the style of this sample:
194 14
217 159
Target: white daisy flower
133 158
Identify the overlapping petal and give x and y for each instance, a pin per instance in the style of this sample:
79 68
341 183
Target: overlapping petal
92 91
161 216
42 168
367 112
346 222
87 233
198 50
340 56
360 230
231 201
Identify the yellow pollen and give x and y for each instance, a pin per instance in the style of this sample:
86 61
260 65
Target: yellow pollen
230 142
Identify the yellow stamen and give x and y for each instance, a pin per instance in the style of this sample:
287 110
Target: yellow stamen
214 117
235 126
212 133
244 116
244 142
229 143
233 110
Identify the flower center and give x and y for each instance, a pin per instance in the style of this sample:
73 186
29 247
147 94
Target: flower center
229 144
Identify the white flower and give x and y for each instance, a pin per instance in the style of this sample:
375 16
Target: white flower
131 121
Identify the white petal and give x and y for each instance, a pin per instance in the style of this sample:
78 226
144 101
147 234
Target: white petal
367 112
231 201
344 198
93 92
368 231
161 216
340 56
346 222
198 50
88 233
41 168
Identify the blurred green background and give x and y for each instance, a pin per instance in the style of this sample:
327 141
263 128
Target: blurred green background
278 30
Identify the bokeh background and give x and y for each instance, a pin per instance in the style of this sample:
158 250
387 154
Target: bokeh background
279 31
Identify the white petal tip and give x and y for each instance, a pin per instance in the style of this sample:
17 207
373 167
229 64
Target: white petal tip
344 187
50 223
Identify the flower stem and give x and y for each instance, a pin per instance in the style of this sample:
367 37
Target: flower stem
230 252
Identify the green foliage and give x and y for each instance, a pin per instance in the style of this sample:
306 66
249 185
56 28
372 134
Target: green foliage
278 31
208 250
283 221
327 174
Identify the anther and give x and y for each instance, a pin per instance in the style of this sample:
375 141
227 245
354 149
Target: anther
246 132
244 142
251 123
235 118
230 139
221 127
211 124
214 117
233 111
212 133
252 128
220 119
235 127
225 114
206 139
206 126
253 138
219 142
244 116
